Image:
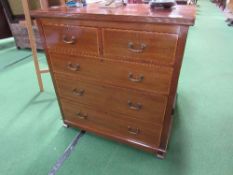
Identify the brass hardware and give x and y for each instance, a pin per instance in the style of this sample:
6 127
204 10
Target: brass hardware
136 79
136 106
82 116
66 41
132 48
134 131
73 67
78 92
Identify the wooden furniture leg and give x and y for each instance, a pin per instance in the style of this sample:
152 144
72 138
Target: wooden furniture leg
44 4
32 43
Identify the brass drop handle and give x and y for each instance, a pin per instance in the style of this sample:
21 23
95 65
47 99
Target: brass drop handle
82 116
136 106
136 79
132 48
134 131
73 67
78 92
71 41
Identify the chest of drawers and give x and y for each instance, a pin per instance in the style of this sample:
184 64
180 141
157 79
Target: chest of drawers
116 71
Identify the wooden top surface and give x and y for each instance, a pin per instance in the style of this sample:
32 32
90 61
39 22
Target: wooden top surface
180 14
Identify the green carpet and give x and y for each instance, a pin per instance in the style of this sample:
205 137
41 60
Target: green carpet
9 53
32 137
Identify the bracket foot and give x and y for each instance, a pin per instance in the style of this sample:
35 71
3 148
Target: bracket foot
160 155
65 125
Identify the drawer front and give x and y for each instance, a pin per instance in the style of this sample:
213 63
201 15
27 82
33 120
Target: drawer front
144 77
72 40
130 129
108 98
149 47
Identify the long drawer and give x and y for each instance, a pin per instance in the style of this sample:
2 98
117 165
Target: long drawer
72 40
130 129
139 46
144 77
133 103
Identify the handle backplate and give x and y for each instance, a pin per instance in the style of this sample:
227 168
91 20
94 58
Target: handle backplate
82 116
69 41
78 92
133 131
134 106
131 47
136 79
73 67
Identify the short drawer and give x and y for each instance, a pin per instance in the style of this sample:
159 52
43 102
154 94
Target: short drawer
133 103
144 77
149 47
129 129
71 40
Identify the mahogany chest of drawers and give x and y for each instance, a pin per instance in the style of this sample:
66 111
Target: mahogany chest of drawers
116 71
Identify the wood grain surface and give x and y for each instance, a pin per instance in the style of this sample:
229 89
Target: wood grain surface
180 14
119 125
156 79
116 72
109 98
